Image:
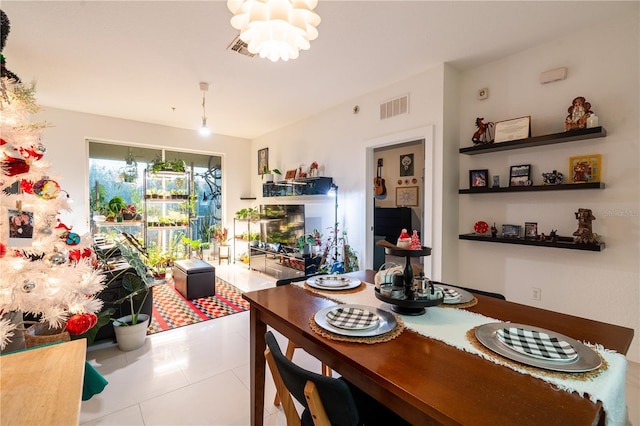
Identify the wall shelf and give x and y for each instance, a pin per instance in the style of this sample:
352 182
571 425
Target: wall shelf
561 243
570 136
295 187
533 188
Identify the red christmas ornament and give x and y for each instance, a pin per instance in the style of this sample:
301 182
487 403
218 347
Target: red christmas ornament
3 250
30 153
62 225
81 323
26 186
14 166
77 254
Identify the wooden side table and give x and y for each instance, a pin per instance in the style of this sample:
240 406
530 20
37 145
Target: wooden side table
224 253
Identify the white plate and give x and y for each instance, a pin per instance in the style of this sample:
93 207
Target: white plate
323 282
587 359
351 318
465 296
386 322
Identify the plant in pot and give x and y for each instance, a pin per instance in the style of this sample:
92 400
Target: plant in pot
131 330
267 175
116 205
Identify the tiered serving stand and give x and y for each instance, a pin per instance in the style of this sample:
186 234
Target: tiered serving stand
409 304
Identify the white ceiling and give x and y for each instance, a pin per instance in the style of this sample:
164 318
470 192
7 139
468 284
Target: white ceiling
143 60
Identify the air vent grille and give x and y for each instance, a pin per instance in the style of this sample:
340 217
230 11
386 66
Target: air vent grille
393 107
239 46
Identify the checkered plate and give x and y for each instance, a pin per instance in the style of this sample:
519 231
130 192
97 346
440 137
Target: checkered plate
586 359
386 321
352 318
536 344
453 295
332 282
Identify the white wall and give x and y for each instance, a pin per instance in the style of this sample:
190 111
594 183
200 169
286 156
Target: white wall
338 139
67 153
598 285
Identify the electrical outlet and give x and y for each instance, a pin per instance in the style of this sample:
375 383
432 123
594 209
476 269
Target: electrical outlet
483 93
536 293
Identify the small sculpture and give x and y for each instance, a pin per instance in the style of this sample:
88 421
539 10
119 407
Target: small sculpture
584 234
482 135
494 230
553 235
579 112
553 178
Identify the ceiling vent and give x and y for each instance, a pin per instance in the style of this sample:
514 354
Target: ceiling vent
240 46
394 107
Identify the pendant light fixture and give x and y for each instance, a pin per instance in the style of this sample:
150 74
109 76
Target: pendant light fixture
204 130
275 29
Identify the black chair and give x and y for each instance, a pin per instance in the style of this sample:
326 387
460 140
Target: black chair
484 293
326 400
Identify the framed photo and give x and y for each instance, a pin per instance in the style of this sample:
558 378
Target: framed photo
263 161
585 168
20 228
291 174
478 178
520 175
406 165
511 130
531 230
511 231
407 196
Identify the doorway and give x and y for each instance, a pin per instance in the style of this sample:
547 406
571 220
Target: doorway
400 191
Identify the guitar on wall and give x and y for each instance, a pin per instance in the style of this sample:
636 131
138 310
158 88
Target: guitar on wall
379 190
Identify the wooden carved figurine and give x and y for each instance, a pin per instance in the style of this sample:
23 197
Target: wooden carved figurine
584 234
579 111
482 135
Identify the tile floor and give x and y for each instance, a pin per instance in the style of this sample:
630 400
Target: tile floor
199 374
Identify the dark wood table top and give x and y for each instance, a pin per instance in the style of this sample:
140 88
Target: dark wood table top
427 381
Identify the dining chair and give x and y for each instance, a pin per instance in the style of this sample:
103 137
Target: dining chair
484 293
291 347
326 400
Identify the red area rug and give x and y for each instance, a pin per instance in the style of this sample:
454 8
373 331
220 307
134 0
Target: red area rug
171 310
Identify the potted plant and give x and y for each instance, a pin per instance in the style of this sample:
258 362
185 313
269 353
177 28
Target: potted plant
131 330
115 206
269 173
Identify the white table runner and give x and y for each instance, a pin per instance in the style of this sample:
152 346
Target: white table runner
450 326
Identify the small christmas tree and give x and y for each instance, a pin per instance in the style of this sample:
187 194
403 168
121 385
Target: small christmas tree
46 268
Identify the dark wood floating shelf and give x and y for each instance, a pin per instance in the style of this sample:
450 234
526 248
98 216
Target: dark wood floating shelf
572 135
564 186
540 243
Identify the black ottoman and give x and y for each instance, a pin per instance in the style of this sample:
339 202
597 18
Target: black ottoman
194 278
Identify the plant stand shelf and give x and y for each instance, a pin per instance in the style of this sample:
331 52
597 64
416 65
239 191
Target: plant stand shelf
560 243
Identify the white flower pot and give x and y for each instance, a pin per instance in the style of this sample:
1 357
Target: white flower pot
131 337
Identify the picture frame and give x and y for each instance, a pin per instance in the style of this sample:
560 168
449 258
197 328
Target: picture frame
511 130
478 178
520 175
406 165
291 174
20 227
263 161
531 230
407 196
585 168
511 231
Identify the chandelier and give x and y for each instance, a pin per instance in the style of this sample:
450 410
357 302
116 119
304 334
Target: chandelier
275 29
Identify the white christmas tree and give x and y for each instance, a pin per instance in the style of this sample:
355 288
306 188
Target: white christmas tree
46 268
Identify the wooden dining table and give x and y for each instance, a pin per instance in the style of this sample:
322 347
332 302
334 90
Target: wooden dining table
426 381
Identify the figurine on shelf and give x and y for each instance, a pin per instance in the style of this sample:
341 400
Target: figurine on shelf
553 235
584 234
553 178
494 231
404 241
579 112
483 134
415 241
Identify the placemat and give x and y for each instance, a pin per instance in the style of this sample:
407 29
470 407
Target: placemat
589 375
357 289
390 335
